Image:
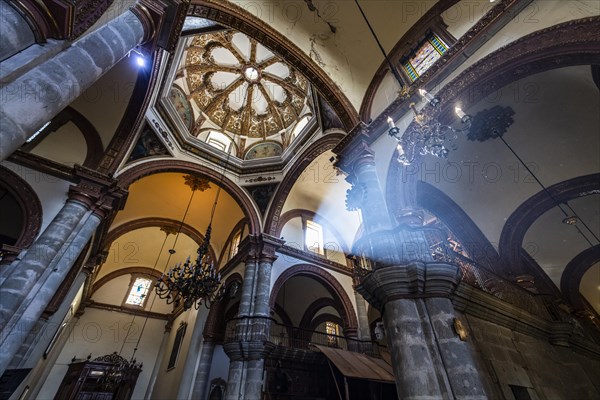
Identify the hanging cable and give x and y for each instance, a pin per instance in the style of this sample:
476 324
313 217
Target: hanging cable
550 195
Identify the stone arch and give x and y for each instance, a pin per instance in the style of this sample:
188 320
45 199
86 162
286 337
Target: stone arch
574 271
124 271
299 212
321 145
524 216
330 283
159 166
29 203
313 309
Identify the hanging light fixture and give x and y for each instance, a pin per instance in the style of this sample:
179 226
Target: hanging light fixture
428 135
196 282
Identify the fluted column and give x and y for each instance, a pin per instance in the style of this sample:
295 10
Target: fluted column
38 95
37 276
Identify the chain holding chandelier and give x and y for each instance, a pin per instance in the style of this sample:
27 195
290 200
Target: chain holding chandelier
428 135
193 282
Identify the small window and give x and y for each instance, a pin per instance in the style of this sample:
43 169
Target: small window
314 237
176 346
430 50
218 140
235 242
332 329
300 125
138 292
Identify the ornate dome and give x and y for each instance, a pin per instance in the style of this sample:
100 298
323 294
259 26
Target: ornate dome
241 87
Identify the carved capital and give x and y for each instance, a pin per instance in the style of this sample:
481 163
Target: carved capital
97 191
413 280
351 154
261 247
162 21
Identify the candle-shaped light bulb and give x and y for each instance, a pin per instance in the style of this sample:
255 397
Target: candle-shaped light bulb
459 112
426 95
391 123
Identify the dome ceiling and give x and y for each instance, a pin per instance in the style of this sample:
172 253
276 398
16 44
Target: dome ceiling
240 87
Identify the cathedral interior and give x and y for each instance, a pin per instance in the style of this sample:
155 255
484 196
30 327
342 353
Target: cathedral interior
300 199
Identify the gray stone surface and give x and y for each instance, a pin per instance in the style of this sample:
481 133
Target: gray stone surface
548 371
36 279
15 33
37 96
201 383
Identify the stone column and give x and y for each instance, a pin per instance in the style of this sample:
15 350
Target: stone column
159 359
37 276
411 290
15 32
247 351
37 96
204 365
192 358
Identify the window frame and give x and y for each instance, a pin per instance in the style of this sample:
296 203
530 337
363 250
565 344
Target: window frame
177 344
400 64
132 281
320 233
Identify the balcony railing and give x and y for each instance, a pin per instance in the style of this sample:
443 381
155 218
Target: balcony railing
472 273
267 329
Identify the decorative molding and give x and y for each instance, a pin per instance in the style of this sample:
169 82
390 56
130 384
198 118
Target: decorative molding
321 145
43 165
145 271
231 15
431 20
315 259
98 191
324 278
158 166
125 310
313 309
29 203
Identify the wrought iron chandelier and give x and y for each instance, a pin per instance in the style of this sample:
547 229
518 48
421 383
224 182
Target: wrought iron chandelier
428 135
119 370
196 282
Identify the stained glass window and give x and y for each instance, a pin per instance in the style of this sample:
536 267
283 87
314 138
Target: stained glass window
138 292
428 53
331 329
235 242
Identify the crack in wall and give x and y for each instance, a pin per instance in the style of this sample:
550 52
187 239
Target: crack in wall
314 9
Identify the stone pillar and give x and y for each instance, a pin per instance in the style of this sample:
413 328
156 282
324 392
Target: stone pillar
37 276
15 32
204 365
192 357
247 351
159 359
37 96
411 290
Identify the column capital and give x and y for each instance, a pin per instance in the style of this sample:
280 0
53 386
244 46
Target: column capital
97 191
414 280
162 22
350 156
260 247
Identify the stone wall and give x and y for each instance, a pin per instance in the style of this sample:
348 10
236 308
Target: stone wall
547 371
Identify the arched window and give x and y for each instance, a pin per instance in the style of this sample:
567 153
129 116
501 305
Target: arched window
235 242
138 291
